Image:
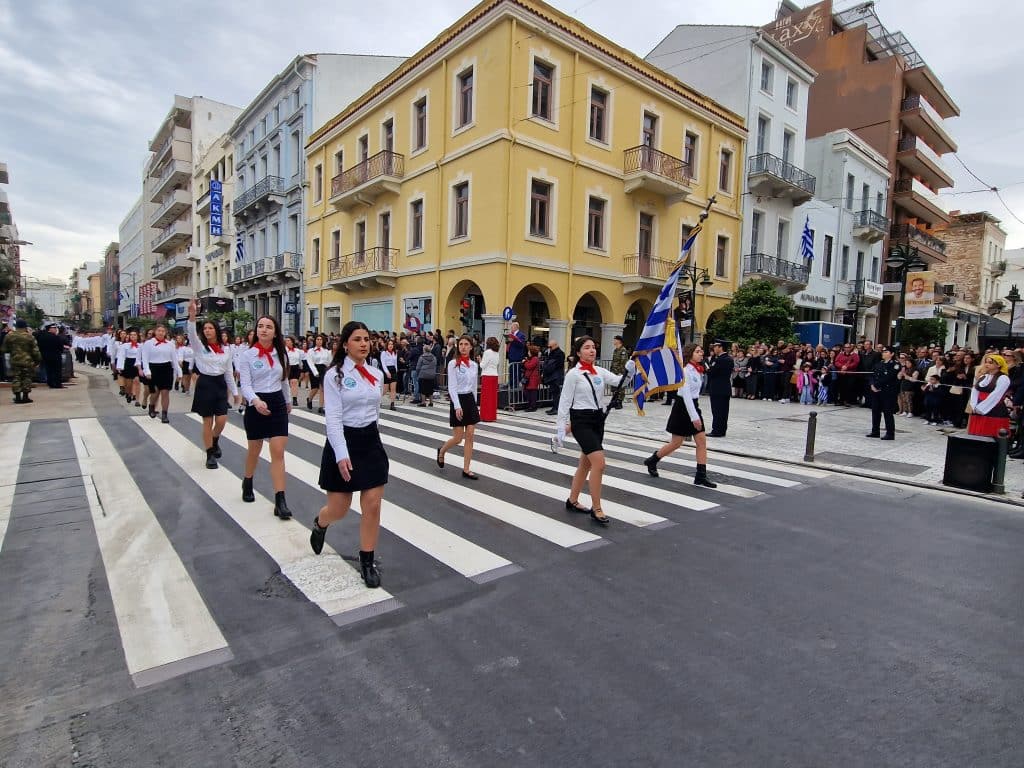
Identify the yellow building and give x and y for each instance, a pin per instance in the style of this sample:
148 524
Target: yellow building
520 160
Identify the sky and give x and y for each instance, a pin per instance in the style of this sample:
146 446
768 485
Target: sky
85 83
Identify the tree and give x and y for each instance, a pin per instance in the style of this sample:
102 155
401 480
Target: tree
756 313
916 333
32 314
236 321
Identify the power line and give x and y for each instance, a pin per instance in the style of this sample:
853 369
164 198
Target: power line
990 188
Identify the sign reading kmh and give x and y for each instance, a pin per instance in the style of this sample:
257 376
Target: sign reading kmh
216 208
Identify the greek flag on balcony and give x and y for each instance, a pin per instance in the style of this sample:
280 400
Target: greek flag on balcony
659 368
239 248
807 241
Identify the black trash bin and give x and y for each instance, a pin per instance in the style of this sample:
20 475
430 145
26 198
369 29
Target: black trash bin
970 462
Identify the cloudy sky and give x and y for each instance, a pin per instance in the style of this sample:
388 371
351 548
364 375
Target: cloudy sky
85 83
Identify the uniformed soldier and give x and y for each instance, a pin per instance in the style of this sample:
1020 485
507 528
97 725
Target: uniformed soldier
620 356
885 385
25 358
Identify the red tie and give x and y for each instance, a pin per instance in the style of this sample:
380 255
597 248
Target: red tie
265 352
462 361
588 368
135 345
366 374
216 348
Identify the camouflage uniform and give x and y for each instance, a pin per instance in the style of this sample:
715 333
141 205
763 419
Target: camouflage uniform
619 359
25 358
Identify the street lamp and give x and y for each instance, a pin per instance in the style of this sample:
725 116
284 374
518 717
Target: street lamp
695 274
903 259
1013 297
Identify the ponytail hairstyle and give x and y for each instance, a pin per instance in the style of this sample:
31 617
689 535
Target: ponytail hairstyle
339 354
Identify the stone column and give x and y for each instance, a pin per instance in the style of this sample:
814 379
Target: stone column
608 333
559 331
493 326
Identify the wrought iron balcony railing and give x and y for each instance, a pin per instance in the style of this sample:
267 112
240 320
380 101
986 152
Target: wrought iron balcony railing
644 265
384 163
376 259
915 235
871 219
773 266
268 185
780 169
644 158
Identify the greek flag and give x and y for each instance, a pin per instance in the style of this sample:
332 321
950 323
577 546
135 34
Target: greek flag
659 368
239 248
684 254
807 241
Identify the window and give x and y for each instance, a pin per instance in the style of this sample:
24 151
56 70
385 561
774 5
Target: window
756 228
364 148
826 257
540 209
335 245
849 191
274 244
360 241
543 79
645 240
685 231
763 126
465 99
595 223
690 152
420 124
318 182
721 256
874 269
792 91
724 170
860 265
767 76
598 114
460 219
788 138
275 161
315 261
276 116
650 130
844 264
782 240
880 204
865 197
339 161
416 225
296 152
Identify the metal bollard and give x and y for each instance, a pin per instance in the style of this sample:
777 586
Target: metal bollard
812 427
999 472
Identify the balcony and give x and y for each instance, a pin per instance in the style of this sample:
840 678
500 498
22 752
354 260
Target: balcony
922 119
203 203
173 267
265 192
177 173
870 226
175 204
866 293
916 199
788 275
922 80
922 161
998 268
641 269
366 181
179 134
177 293
772 176
928 246
366 269
645 169
172 236
269 270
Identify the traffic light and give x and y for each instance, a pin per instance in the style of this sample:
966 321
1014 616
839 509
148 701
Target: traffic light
464 314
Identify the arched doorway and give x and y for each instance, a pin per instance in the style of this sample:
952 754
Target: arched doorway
464 309
533 307
586 318
634 320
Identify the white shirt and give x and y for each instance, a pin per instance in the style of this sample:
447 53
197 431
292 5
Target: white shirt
317 357
159 352
127 352
349 401
994 397
237 350
294 357
211 363
489 363
461 379
256 375
111 346
185 354
690 391
388 359
578 393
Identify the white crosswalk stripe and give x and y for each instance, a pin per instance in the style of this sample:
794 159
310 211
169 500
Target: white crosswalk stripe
12 438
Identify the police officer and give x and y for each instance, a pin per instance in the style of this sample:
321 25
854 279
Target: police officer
25 358
720 369
885 386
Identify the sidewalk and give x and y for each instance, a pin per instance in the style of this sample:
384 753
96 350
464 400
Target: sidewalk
77 399
777 432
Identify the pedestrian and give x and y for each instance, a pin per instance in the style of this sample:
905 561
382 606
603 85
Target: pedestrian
686 419
582 413
263 378
553 374
214 367
25 359
620 356
295 357
464 414
515 352
909 384
805 383
426 375
885 385
127 364
318 358
389 365
51 347
160 366
740 371
933 401
825 378
185 357
847 363
353 458
720 369
869 358
989 412
531 377
489 380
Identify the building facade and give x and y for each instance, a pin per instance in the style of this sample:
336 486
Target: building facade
520 161
269 200
85 294
214 185
49 294
111 287
131 262
10 254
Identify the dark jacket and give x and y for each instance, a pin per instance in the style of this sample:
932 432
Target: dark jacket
552 370
885 376
720 376
51 345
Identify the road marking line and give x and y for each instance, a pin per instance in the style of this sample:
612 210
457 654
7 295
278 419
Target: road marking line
166 628
12 438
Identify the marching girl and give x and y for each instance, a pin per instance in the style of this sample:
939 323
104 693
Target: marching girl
463 375
295 358
111 352
581 413
127 364
160 366
686 420
263 379
119 342
215 378
185 357
389 365
304 377
318 359
237 350
353 456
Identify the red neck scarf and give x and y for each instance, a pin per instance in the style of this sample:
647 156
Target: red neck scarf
698 367
366 374
588 368
135 345
462 361
160 341
216 348
265 352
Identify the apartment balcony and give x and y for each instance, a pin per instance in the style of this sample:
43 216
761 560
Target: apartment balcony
172 236
928 246
772 176
922 120
919 201
177 294
364 182
922 80
176 203
184 138
787 275
997 268
364 269
177 173
267 271
865 293
173 267
266 193
203 203
922 161
646 169
641 269
870 226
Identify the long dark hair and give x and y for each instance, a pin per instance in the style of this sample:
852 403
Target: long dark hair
200 325
346 332
277 343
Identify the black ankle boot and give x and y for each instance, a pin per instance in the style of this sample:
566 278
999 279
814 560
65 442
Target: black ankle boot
163 418
295 402
701 478
216 448
25 398
371 576
247 494
281 507
211 460
316 538
17 398
652 464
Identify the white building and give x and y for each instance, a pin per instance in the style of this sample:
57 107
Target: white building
49 294
215 228
131 262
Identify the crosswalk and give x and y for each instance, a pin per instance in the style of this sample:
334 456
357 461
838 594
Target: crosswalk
438 530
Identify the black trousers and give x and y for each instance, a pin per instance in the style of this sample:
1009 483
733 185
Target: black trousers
53 372
883 404
720 413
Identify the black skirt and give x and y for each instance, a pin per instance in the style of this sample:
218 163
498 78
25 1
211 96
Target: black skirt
130 371
260 427
369 462
186 368
211 397
470 413
679 422
587 429
162 376
427 388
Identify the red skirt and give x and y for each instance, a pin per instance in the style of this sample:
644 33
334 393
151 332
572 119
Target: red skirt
488 398
987 426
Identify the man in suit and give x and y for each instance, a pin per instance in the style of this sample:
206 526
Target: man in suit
720 368
51 346
553 374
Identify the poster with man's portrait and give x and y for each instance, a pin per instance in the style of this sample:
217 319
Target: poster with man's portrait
920 303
